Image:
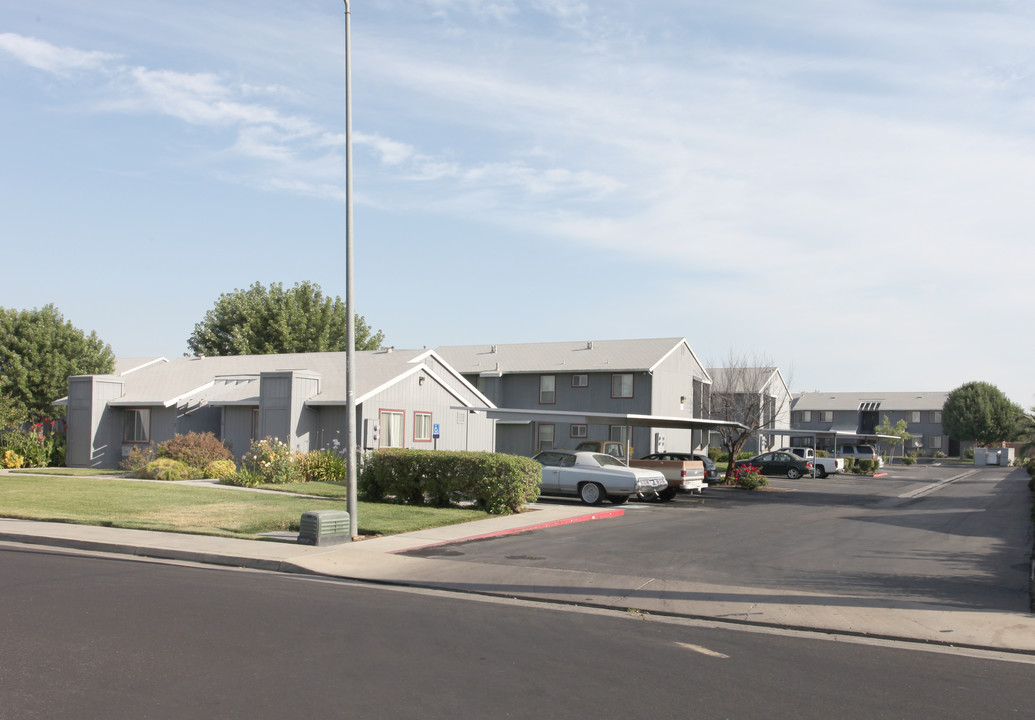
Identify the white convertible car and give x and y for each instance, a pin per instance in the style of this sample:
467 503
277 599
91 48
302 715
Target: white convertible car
594 476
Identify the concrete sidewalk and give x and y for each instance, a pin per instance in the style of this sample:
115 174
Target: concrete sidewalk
378 560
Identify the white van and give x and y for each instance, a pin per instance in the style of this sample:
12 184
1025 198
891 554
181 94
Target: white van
860 452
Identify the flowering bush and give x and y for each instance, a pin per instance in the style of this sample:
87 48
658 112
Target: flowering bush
38 445
272 460
13 459
748 477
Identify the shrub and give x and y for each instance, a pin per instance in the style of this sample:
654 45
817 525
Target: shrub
969 453
849 465
909 459
219 469
748 477
866 467
195 449
38 445
495 482
715 453
242 478
168 469
722 457
139 456
822 453
745 455
1030 466
13 459
940 454
272 460
322 466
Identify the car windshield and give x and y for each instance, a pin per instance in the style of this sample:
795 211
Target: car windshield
607 460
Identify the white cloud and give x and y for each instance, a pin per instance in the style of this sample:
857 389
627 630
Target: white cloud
51 58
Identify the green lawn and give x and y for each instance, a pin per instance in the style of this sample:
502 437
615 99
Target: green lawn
224 512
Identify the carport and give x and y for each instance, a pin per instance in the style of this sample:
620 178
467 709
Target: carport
836 434
628 420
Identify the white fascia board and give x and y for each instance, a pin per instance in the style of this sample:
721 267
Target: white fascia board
697 360
456 375
176 400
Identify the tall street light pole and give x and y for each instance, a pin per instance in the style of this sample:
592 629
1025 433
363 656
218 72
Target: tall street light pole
350 307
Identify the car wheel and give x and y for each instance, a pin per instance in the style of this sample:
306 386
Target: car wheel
591 493
618 499
667 494
793 473
821 472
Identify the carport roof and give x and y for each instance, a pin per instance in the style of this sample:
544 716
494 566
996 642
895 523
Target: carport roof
601 418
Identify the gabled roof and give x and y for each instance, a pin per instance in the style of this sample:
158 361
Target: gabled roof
855 401
757 378
576 356
235 379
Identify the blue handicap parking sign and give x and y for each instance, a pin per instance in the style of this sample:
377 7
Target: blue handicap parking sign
434 431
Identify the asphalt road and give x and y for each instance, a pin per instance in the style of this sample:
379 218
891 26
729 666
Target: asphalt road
913 536
90 637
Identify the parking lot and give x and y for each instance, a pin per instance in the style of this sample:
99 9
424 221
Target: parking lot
948 535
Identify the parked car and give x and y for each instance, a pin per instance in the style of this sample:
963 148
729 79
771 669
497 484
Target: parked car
711 470
684 474
778 463
614 448
824 465
860 452
591 477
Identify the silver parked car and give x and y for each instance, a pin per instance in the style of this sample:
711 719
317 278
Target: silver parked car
593 476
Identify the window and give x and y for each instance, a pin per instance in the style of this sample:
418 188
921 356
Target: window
936 416
828 416
255 423
622 385
806 416
547 389
136 425
579 431
620 433
545 437
422 427
580 381
935 442
392 425
914 416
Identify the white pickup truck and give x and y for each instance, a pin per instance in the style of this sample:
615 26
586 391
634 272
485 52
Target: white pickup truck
824 465
682 475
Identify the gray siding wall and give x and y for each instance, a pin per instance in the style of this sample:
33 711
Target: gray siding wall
673 381
94 434
282 410
460 430
237 429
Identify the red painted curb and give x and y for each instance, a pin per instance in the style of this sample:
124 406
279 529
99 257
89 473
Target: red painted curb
884 474
524 528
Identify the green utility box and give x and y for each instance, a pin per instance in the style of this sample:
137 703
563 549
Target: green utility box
324 527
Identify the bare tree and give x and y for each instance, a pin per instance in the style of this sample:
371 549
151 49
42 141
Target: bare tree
750 390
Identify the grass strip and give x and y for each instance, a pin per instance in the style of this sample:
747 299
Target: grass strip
224 512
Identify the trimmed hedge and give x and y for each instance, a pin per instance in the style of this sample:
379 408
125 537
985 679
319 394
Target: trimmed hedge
168 469
496 483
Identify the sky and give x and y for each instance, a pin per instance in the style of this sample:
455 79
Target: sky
844 190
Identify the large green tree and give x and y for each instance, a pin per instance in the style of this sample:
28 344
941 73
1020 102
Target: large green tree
980 412
39 350
264 321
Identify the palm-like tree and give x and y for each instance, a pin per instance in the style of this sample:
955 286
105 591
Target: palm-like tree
1026 433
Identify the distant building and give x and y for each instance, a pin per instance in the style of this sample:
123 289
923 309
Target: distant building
756 396
657 376
404 398
854 417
